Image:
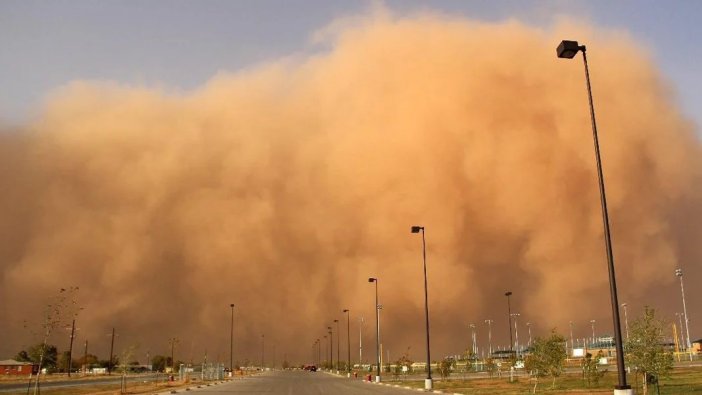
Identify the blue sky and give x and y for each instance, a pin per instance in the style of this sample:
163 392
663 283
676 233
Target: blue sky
180 44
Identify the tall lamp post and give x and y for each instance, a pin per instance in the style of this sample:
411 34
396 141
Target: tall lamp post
360 342
516 333
528 324
682 332
338 337
592 323
509 319
679 273
567 50
231 343
331 347
473 340
572 345
377 329
348 342
263 350
428 383
319 353
626 321
325 351
489 322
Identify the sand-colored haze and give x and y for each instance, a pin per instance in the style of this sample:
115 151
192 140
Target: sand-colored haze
282 188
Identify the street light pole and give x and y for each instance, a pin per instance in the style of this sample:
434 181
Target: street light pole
568 49
592 322
572 345
263 351
325 351
338 337
626 321
528 324
428 382
509 319
679 273
112 346
331 348
682 332
516 332
377 327
348 342
360 342
472 338
231 343
489 322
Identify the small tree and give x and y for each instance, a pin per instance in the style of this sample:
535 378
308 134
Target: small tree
158 363
446 366
547 358
591 368
57 313
490 366
44 354
644 350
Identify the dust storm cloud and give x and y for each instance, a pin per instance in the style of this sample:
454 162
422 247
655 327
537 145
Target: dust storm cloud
283 187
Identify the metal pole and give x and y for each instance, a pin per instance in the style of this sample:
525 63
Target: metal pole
331 347
516 332
360 343
626 321
173 342
70 348
377 335
608 239
348 341
509 319
528 324
338 349
428 381
572 345
263 350
489 322
112 346
85 358
679 273
231 343
682 335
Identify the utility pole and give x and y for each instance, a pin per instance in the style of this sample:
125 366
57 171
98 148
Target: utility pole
70 348
360 342
85 358
173 341
112 346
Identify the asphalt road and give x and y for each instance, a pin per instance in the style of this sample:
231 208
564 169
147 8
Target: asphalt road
301 383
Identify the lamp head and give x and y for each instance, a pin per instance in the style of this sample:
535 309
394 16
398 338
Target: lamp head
336 320
346 310
372 279
416 229
508 293
568 49
678 272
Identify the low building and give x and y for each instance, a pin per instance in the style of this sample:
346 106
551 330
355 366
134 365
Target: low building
10 367
697 346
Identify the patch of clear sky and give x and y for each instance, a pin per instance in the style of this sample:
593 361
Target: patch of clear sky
180 44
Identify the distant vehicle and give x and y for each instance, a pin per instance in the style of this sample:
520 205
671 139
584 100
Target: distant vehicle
311 368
